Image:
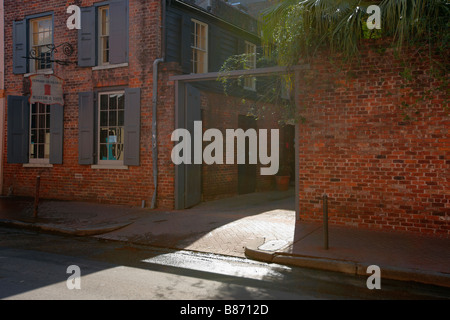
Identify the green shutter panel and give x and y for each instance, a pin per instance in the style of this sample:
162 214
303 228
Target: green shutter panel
86 128
19 47
118 37
186 40
18 129
87 38
132 126
56 133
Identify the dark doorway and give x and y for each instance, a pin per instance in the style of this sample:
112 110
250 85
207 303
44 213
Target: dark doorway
288 149
247 171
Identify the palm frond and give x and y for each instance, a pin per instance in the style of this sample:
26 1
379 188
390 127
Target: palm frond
294 28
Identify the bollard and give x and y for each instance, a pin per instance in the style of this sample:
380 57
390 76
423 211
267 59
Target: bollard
36 196
325 221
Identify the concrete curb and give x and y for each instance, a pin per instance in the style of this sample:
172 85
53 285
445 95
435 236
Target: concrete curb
348 267
63 230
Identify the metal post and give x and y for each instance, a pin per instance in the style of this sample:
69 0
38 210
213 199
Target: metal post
36 196
325 221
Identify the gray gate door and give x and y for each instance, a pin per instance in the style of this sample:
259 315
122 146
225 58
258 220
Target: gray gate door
193 172
188 186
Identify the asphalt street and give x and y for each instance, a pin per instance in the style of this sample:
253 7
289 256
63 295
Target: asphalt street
34 266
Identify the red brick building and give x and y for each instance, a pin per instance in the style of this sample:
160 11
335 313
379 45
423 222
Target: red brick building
98 146
375 139
379 169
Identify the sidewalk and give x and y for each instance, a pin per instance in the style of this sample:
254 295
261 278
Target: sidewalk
258 226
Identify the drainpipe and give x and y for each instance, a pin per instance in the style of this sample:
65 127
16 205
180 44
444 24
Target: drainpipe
154 129
155 104
2 93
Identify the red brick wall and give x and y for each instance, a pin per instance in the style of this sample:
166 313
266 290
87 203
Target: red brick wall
379 169
70 180
221 112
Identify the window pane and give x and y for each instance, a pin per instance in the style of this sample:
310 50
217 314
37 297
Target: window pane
111 126
120 135
103 35
33 121
105 49
40 152
40 131
104 21
103 102
33 138
104 118
103 152
121 101
41 135
112 118
41 35
113 102
121 118
117 151
47 150
103 135
41 121
33 151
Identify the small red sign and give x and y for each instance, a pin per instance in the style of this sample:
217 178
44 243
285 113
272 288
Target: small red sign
47 90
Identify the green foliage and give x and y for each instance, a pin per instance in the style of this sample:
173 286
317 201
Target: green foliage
294 30
269 99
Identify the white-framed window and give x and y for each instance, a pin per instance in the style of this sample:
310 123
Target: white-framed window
250 52
39 133
111 127
103 35
199 45
41 37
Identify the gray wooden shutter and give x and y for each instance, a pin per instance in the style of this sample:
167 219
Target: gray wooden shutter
18 129
240 46
132 126
193 179
86 128
56 133
186 40
214 56
19 47
118 37
87 38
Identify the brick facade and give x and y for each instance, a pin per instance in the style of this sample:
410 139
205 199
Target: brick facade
222 112
73 181
70 180
379 168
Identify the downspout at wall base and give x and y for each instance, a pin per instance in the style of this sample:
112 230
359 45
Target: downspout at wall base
154 130
155 103
2 92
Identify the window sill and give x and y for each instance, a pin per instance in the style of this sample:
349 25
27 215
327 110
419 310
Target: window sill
109 166
110 66
37 165
49 71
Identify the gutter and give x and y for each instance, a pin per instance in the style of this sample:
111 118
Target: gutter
155 104
154 130
2 92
